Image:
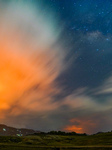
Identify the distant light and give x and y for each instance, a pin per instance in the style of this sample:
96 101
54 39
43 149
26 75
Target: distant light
4 129
19 134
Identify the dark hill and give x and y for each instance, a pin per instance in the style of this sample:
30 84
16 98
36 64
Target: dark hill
11 131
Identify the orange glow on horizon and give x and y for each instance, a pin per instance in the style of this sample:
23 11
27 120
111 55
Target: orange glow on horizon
73 128
81 125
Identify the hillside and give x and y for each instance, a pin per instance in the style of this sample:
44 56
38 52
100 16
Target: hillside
11 131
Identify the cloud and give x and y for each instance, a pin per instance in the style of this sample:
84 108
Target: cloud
30 61
86 113
81 125
82 101
84 124
73 128
105 88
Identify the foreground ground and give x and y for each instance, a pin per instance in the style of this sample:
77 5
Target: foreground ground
100 141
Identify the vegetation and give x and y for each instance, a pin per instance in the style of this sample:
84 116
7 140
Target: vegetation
60 133
57 141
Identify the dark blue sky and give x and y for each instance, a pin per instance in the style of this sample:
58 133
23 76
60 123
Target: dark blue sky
87 28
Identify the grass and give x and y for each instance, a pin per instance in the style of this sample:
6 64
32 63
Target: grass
100 141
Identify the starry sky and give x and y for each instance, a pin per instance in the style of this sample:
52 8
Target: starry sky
56 65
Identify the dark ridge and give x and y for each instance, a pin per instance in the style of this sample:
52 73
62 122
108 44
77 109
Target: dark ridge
11 131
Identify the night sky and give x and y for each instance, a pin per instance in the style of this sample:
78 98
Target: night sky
56 65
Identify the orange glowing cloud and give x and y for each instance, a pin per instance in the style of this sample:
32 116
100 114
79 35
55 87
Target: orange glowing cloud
82 125
73 128
30 61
